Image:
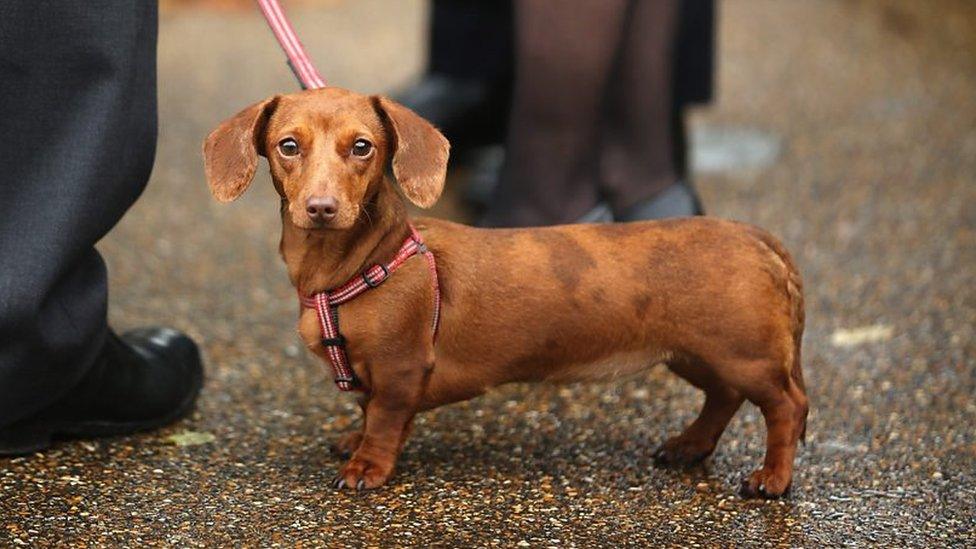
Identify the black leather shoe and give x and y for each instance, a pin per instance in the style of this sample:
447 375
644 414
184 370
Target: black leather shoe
143 380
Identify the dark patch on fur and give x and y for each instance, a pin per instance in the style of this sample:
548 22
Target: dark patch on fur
598 296
641 303
566 258
899 22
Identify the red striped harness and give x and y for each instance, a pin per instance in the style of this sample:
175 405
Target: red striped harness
326 305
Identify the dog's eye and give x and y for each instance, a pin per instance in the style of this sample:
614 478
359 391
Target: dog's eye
362 148
288 147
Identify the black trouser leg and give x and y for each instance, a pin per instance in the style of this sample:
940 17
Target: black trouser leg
77 140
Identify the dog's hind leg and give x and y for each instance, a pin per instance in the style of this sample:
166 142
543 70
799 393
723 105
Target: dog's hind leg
699 439
785 410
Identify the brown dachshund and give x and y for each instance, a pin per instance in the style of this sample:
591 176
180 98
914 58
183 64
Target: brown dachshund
720 303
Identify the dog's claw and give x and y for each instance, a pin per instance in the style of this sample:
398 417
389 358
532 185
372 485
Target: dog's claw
361 484
749 490
339 483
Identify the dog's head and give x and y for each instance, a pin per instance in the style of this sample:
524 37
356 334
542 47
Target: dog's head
328 150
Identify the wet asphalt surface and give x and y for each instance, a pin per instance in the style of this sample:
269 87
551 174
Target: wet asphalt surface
873 107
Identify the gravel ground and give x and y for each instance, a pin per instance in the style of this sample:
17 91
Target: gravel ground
873 108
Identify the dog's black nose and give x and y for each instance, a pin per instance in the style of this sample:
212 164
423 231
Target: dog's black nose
321 208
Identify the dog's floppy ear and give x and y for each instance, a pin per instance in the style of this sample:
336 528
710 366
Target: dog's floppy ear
420 152
230 153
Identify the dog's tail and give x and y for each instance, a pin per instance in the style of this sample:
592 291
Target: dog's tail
794 292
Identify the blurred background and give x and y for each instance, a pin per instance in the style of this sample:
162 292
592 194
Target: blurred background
845 127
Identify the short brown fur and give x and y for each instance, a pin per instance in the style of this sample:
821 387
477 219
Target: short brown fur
719 302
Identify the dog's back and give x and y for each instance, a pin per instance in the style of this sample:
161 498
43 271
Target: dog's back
547 303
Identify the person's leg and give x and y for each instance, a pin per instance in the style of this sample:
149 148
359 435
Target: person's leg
466 88
638 160
564 57
77 141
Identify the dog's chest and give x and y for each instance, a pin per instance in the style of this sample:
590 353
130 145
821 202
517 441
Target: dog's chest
309 330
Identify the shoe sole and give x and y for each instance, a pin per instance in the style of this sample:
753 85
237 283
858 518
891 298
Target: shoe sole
33 437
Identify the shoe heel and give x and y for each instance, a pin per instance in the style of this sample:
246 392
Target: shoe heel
23 440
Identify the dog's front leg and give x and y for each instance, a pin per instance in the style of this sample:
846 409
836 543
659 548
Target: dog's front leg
390 409
347 443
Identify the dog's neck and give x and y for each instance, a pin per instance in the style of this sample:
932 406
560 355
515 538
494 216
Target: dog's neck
319 260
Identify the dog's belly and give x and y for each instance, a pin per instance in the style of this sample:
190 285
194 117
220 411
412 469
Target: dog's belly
615 366
453 381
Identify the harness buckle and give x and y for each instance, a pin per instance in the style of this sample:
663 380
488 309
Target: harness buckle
338 341
370 283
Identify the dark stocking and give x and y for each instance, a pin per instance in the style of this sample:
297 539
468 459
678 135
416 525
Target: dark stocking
637 153
565 55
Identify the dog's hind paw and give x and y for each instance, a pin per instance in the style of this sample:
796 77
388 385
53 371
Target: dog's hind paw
679 452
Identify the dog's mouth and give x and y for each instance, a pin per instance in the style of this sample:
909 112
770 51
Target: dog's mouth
340 223
312 226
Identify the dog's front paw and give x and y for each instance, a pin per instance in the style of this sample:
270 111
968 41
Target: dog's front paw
681 452
360 473
347 444
766 483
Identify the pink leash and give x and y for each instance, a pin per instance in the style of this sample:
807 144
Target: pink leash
297 58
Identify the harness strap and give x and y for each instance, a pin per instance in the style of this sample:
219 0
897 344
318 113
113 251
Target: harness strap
326 305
